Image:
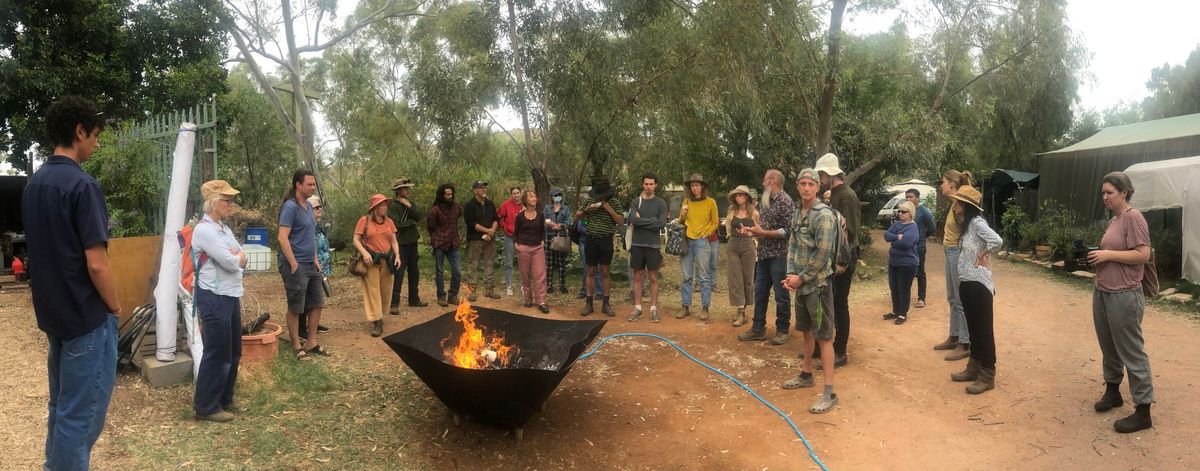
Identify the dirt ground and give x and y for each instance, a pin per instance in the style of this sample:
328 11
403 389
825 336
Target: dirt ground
638 405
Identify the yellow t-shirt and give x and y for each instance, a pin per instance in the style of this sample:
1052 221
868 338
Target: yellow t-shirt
702 218
950 239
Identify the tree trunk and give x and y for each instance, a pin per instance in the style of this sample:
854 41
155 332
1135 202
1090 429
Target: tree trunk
537 167
825 110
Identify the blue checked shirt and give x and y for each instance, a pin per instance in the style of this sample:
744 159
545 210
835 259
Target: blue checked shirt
810 246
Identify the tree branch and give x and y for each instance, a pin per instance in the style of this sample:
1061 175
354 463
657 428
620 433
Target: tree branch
374 17
1019 52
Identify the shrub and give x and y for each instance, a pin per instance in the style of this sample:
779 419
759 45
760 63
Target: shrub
1015 223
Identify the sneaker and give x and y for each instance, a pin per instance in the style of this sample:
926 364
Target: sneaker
889 316
900 320
544 308
322 328
780 338
218 416
654 316
637 314
752 335
507 291
920 303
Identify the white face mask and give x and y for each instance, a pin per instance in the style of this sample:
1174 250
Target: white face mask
558 199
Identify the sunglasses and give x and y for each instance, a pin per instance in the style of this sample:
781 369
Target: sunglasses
317 207
902 211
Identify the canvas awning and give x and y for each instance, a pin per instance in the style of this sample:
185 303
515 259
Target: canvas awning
1167 184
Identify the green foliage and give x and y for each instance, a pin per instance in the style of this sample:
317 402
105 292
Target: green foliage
1015 223
257 156
134 58
1175 89
127 173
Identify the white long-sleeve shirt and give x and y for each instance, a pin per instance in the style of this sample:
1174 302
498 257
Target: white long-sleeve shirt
978 238
222 272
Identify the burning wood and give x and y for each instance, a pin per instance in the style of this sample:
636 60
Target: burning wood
475 348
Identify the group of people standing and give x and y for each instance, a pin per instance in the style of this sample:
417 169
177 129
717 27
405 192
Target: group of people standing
66 224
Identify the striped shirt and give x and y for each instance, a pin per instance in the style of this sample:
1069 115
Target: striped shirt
599 222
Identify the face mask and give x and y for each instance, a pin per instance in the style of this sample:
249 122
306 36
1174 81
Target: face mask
558 199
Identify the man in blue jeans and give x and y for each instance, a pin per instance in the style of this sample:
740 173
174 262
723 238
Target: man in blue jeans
74 298
925 226
769 271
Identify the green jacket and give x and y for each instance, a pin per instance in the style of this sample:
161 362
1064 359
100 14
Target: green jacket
406 220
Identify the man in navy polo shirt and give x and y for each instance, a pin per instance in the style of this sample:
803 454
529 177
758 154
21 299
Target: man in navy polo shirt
74 298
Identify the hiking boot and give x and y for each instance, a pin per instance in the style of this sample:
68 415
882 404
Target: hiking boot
1111 397
419 303
442 301
218 416
752 335
492 294
394 310
607 309
740 318
963 351
654 315
686 311
986 381
637 314
377 328
1138 420
969 374
780 337
587 308
453 300
950 343
704 314
472 297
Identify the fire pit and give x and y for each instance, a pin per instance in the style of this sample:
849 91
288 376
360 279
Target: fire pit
493 391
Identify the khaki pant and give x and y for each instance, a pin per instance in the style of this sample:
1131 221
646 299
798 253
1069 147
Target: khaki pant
739 264
481 252
377 290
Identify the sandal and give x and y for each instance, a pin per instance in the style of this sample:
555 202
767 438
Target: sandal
301 355
319 350
824 405
798 382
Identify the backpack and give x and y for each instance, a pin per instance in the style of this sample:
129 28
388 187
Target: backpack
1150 277
840 261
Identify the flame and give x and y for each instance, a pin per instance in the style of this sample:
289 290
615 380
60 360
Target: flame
474 345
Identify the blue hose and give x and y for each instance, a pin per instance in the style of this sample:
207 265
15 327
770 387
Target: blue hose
811 453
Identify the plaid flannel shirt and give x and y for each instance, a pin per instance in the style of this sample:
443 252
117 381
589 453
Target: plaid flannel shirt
810 246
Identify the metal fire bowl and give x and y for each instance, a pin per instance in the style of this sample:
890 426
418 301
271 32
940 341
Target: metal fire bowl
505 397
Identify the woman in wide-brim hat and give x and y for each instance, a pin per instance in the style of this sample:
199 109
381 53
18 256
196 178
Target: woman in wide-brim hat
975 287
375 240
699 214
741 253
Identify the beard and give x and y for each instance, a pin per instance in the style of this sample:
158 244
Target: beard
765 202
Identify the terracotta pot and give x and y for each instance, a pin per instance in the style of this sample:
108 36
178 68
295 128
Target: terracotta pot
1043 251
263 346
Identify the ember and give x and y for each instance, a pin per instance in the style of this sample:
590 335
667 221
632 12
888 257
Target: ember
475 349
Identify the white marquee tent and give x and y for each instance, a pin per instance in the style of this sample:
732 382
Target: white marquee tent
1168 184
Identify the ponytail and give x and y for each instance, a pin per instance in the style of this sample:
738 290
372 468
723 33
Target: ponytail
957 178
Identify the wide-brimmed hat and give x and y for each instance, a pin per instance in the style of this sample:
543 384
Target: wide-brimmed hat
695 178
968 194
742 189
401 182
601 188
376 200
828 163
213 188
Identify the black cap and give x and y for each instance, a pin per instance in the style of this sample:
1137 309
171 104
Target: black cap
478 184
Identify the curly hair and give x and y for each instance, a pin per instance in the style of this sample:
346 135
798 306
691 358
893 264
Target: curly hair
67 112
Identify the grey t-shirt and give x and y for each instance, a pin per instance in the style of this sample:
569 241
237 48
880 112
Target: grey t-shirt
652 217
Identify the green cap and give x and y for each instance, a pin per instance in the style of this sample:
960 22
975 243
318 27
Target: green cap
810 174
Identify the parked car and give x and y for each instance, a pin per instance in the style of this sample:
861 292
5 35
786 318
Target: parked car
888 213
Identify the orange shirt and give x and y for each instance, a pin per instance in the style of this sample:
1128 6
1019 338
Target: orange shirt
379 236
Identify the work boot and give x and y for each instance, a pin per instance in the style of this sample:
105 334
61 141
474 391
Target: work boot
607 309
394 310
963 351
452 300
968 374
587 307
753 335
1138 420
1111 397
442 301
704 314
740 318
377 328
225 416
686 311
984 382
419 303
780 337
951 343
